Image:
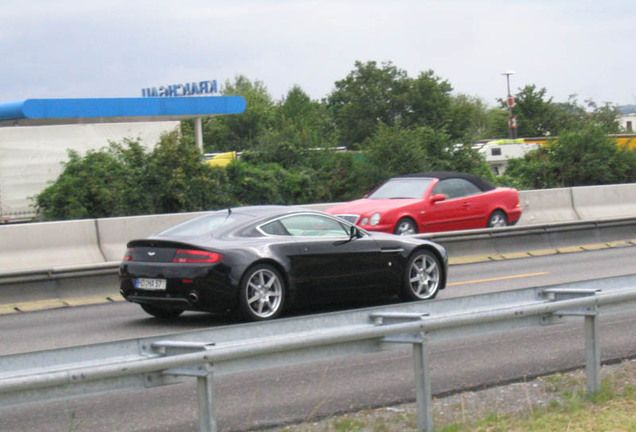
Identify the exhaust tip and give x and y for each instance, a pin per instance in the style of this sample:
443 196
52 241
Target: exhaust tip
193 297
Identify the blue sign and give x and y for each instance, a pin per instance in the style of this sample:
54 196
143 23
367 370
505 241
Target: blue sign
67 111
179 90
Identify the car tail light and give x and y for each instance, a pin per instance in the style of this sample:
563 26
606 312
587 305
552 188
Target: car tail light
195 256
129 254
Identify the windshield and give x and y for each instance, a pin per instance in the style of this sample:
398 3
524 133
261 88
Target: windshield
203 225
402 188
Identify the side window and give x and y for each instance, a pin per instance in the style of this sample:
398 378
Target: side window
313 226
455 188
275 228
442 187
467 188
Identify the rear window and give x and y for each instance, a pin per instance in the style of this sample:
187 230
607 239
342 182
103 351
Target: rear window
204 225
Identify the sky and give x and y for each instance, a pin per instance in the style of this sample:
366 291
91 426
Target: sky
113 48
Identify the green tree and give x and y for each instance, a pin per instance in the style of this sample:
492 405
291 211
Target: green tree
534 112
496 123
302 134
468 120
428 103
577 158
395 150
589 157
124 179
99 184
572 115
368 96
179 181
371 95
238 132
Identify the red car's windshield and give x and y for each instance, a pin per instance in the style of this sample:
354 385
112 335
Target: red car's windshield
401 188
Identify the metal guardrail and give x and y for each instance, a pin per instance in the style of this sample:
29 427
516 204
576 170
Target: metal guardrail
535 237
204 354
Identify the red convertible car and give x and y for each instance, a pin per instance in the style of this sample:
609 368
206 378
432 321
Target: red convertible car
431 202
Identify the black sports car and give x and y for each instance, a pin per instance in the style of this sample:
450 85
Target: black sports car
261 260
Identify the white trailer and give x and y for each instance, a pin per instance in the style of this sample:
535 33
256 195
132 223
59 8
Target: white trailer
498 153
31 157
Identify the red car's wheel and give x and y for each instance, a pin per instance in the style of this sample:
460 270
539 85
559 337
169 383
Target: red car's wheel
497 219
405 226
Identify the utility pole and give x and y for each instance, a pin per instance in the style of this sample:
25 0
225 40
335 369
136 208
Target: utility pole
510 101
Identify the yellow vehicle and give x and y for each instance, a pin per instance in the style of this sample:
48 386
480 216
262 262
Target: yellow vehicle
222 159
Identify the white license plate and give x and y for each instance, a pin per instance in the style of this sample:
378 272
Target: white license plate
150 284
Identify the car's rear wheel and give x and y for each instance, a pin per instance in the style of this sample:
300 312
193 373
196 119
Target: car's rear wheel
497 219
423 276
159 312
262 293
405 226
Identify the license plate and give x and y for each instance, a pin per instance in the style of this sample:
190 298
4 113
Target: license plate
150 284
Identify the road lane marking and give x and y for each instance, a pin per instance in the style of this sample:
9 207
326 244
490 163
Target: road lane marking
498 278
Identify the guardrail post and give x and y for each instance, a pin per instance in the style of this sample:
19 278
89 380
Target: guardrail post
592 355
423 392
204 374
423 388
205 396
592 345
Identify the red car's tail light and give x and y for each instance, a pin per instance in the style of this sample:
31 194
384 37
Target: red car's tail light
129 254
195 256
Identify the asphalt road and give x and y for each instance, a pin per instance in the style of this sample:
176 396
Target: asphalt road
260 399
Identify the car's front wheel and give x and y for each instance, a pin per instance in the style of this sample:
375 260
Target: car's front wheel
497 219
423 276
262 294
159 312
405 226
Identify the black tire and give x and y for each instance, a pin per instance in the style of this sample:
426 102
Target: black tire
405 226
159 312
497 219
423 276
262 294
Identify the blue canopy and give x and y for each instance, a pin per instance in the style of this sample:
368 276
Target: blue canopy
33 112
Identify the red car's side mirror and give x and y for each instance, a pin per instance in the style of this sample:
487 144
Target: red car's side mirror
437 198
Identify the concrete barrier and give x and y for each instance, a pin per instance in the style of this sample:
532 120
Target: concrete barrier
114 233
47 245
41 246
546 206
595 202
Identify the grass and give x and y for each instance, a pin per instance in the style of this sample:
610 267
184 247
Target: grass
562 405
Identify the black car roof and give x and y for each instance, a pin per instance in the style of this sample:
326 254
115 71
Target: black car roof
248 216
443 175
262 210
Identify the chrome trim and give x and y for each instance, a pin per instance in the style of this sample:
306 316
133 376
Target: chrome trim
351 218
327 215
395 250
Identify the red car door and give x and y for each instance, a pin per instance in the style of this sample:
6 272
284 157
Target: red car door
463 208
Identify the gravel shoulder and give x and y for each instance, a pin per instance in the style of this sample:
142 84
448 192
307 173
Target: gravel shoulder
522 399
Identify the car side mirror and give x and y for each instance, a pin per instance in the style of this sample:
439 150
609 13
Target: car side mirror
354 232
437 198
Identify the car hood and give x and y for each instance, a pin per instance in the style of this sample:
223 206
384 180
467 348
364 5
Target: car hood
368 206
